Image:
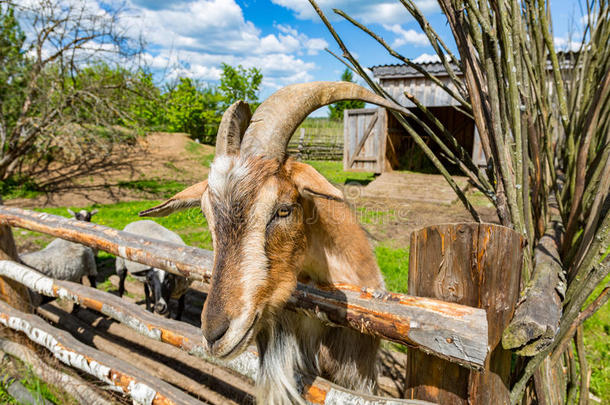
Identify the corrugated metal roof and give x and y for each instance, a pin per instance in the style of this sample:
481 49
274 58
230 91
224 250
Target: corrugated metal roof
402 70
436 68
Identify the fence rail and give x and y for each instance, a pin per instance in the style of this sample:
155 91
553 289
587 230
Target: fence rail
454 332
139 385
449 331
175 333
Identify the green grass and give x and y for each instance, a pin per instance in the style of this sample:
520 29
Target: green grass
200 152
171 165
165 188
394 264
37 387
312 122
19 188
190 224
40 388
106 285
5 397
333 171
597 342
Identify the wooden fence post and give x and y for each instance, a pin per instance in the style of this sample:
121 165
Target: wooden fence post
12 292
471 264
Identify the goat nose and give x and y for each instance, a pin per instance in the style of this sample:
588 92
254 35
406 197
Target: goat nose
214 327
161 308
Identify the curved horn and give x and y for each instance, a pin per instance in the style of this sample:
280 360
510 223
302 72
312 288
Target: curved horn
234 122
276 119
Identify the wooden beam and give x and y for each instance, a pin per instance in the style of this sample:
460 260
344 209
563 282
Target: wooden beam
427 324
139 385
536 320
432 326
175 333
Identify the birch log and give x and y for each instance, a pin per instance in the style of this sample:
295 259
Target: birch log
75 386
139 385
178 334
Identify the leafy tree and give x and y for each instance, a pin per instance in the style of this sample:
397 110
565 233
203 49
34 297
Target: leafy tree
193 108
55 90
239 83
13 67
336 110
146 107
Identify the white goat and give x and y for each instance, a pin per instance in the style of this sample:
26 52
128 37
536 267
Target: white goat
275 221
158 283
64 260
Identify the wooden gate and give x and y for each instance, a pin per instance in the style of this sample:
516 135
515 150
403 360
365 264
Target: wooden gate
364 140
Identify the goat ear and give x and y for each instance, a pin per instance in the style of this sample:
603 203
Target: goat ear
71 212
311 183
187 198
95 211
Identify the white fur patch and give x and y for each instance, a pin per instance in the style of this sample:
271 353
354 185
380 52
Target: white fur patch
254 258
224 170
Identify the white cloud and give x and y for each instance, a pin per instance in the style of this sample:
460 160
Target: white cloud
195 37
427 58
566 44
366 11
406 36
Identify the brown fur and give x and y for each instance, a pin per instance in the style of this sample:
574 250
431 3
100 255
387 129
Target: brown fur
319 240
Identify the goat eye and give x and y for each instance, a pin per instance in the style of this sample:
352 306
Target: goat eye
284 211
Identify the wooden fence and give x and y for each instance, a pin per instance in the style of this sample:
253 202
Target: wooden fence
447 332
317 144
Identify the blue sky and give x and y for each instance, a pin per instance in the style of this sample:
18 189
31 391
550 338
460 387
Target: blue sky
285 38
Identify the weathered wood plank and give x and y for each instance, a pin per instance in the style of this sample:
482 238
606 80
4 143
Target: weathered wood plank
433 326
175 333
400 318
139 385
473 264
536 320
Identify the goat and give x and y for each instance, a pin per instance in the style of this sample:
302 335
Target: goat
64 260
83 215
275 221
158 283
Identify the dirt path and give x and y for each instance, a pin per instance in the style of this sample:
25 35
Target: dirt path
158 158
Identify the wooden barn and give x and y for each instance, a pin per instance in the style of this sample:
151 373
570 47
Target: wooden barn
374 141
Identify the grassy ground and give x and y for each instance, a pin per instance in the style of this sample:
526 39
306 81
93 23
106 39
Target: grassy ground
39 389
333 171
597 342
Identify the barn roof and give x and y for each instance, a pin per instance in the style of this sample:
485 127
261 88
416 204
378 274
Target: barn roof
402 70
436 68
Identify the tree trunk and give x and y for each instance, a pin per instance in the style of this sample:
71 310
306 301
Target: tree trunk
13 293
